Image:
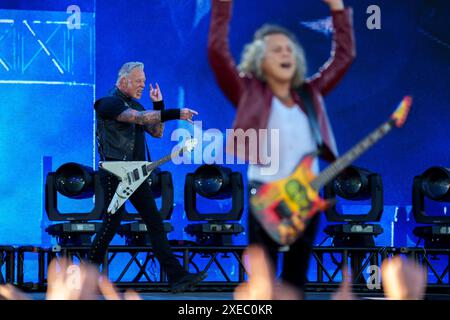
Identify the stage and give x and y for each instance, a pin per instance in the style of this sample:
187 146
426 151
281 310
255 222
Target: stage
59 58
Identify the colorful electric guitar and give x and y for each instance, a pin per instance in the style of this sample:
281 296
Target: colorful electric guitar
132 174
285 207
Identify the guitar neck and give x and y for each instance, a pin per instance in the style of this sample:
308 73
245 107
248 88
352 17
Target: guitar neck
161 161
344 161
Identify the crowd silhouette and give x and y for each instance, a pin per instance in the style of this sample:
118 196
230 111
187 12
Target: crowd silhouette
402 279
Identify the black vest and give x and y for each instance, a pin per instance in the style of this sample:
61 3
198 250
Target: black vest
115 139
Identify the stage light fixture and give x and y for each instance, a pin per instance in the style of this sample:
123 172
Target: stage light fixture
432 187
213 182
355 184
435 184
216 183
74 181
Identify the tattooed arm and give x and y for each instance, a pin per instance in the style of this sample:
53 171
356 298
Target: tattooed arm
144 118
151 120
155 130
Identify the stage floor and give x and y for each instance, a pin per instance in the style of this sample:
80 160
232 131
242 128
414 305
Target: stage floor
229 296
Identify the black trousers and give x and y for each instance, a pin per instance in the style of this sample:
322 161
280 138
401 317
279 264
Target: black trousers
142 199
296 260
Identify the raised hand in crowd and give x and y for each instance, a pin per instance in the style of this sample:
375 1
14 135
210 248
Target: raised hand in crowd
403 279
345 291
110 292
67 281
9 292
261 284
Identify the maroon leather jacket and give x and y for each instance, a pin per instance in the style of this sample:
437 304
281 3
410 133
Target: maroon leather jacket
253 98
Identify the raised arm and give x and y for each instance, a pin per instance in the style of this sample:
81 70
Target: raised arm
220 58
343 49
156 130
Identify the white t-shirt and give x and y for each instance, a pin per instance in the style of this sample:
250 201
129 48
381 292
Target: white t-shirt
295 140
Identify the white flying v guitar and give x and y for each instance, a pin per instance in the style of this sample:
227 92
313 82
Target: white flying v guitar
132 174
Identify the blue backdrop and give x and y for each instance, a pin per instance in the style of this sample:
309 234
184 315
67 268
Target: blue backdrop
50 75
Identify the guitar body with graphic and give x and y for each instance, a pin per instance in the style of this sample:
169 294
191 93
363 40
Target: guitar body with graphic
284 207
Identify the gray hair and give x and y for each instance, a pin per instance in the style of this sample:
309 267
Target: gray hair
126 69
254 52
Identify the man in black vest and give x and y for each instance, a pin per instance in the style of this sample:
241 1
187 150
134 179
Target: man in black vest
121 126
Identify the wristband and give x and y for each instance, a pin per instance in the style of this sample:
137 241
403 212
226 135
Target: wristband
170 114
158 105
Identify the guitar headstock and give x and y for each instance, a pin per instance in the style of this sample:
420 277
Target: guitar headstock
190 144
401 113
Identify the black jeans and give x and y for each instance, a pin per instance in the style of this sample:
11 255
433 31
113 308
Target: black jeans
142 199
296 260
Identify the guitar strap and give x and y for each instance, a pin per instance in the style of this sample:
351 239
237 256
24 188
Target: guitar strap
305 95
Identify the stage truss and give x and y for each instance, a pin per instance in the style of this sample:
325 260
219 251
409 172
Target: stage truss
137 267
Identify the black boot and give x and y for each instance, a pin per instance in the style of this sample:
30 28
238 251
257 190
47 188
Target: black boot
187 281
